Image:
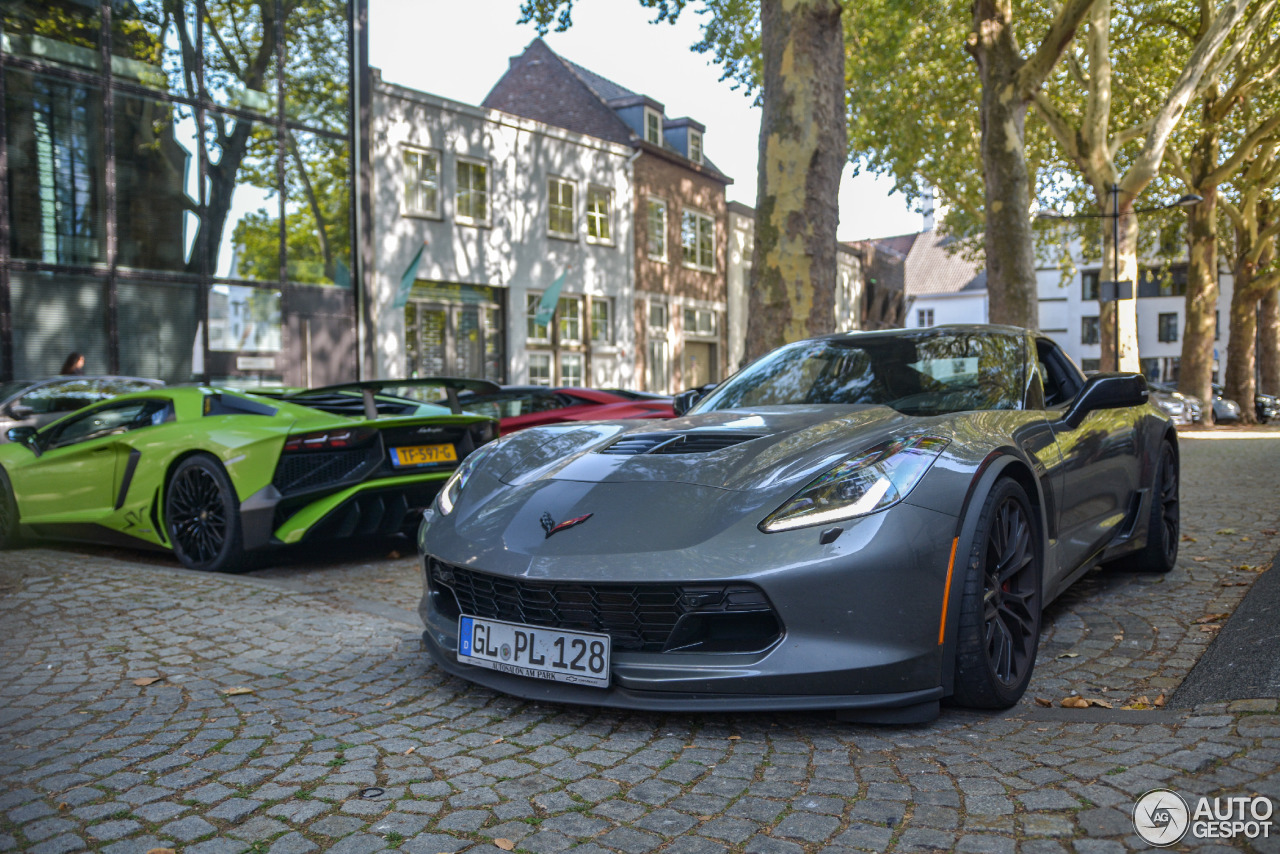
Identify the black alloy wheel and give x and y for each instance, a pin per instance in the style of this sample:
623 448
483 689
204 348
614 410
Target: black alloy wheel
1000 606
203 516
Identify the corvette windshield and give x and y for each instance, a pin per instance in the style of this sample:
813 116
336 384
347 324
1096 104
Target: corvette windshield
916 373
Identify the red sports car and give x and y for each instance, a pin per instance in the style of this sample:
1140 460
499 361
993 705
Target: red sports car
517 407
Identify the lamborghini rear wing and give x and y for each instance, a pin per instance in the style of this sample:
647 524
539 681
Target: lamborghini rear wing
402 388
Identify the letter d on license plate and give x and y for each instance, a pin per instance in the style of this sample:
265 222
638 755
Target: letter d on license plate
576 658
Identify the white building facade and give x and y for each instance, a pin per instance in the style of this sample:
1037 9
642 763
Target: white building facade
1070 311
496 210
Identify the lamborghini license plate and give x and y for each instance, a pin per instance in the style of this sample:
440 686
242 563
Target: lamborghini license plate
577 658
423 455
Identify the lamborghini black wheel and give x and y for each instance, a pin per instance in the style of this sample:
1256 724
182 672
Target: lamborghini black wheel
202 516
1000 604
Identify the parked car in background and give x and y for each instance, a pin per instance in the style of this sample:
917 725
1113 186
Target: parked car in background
1268 406
1176 405
35 403
868 522
518 407
214 474
1224 410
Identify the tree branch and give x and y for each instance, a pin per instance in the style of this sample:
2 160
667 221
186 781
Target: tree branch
1129 134
1034 71
1243 151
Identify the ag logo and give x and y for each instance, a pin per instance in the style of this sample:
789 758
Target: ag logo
1161 817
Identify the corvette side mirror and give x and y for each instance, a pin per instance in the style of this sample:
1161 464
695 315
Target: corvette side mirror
1107 391
685 400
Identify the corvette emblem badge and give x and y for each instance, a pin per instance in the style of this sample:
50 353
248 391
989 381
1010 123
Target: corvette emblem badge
549 525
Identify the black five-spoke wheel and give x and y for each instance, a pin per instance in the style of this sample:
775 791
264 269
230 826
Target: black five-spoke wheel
203 516
1000 605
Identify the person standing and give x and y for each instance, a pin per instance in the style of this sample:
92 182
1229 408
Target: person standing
73 366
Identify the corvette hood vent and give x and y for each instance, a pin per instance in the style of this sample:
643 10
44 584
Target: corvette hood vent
635 444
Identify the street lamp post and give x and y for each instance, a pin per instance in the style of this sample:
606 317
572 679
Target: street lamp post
1116 290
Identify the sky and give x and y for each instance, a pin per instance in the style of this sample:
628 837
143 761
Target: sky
458 49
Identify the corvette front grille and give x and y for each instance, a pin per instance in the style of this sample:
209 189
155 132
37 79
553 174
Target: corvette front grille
640 617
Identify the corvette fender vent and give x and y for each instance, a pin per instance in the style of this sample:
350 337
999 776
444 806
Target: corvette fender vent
728 617
675 443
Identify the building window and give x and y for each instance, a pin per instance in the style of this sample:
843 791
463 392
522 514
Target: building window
599 214
699 321
695 146
1089 333
1090 365
657 365
571 369
658 317
569 311
924 317
652 126
1217 325
540 369
698 240
535 331
421 182
560 208
473 192
601 321
1163 281
1089 285
657 236
1168 326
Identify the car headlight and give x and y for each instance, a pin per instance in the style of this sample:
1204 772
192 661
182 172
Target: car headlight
448 495
871 481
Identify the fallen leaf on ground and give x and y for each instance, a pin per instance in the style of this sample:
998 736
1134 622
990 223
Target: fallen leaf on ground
1160 701
1070 655
1212 627
1044 702
1270 532
394 555
1201 559
161 851
504 843
1245 540
1226 531
705 817
1211 618
1117 637
237 691
1074 703
1093 701
147 680
64 806
1235 584
1244 567
735 738
1187 538
410 750
497 740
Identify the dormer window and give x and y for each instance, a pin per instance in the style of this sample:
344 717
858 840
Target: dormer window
695 146
652 126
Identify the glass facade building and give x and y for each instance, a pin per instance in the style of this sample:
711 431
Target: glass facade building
178 188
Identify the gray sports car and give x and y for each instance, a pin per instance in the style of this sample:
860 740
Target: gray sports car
865 522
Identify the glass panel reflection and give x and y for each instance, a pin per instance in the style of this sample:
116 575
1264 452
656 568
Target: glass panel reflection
156 185
61 32
316 67
242 205
317 209
240 55
56 169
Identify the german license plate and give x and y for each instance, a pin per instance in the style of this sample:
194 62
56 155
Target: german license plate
423 455
576 658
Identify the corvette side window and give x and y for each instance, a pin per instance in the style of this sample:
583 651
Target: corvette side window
1061 380
109 420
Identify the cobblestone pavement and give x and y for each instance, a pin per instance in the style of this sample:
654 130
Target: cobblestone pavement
291 710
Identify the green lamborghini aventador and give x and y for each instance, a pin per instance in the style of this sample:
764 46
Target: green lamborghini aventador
213 474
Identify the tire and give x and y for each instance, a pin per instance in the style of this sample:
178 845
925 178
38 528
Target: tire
202 516
8 514
1164 529
1000 604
